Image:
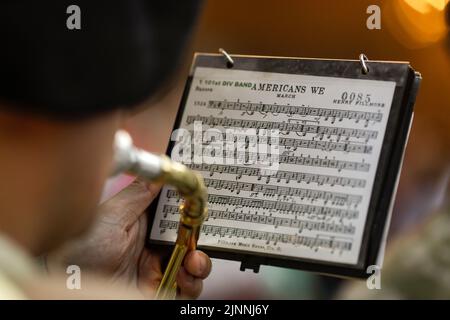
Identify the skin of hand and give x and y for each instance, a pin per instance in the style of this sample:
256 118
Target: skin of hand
115 246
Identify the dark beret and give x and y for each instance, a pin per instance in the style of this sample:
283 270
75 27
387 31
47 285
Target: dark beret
122 54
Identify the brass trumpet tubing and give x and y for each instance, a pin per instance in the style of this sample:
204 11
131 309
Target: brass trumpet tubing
168 287
189 185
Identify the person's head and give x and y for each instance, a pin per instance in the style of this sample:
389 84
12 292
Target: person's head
64 93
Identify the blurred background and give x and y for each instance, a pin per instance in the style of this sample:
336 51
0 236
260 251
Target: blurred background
411 30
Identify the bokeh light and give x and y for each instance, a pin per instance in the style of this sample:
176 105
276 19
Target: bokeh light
417 23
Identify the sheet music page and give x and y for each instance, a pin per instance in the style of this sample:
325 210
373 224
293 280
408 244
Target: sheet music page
289 161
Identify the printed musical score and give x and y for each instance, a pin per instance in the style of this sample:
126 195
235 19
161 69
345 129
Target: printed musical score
274 221
314 243
289 161
253 157
292 125
279 175
328 114
334 198
279 206
293 144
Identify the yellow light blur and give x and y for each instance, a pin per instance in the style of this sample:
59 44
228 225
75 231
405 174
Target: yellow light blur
417 23
424 6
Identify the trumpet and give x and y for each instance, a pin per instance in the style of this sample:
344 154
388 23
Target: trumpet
190 186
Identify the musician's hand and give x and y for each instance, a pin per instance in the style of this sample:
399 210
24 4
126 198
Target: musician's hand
115 246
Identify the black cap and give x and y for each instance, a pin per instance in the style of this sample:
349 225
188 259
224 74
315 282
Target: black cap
123 52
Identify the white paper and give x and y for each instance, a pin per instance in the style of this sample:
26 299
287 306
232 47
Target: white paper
312 200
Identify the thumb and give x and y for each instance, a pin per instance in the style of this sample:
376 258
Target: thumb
129 204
